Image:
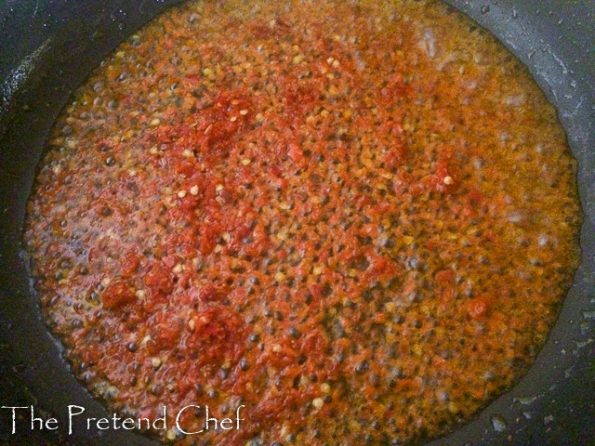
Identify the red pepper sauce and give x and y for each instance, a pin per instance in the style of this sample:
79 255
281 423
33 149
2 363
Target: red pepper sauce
356 219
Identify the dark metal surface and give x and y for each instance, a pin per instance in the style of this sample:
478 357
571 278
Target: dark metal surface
48 48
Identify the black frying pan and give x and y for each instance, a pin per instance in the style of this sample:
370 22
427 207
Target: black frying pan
47 48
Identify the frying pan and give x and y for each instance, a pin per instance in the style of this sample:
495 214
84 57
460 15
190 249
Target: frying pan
48 48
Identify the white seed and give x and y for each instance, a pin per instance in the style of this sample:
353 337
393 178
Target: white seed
209 73
279 276
141 294
171 435
246 161
276 348
448 180
182 193
243 112
154 122
219 187
194 190
318 403
178 268
317 270
155 362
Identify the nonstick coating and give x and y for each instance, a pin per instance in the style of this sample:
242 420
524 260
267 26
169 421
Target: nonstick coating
48 48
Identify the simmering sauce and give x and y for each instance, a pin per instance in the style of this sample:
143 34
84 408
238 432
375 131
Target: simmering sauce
357 219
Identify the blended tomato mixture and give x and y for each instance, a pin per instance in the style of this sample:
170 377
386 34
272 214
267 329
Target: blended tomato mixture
357 219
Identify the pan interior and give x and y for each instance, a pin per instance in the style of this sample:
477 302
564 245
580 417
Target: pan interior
493 10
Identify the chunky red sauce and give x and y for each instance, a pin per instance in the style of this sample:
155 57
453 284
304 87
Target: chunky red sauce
355 219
